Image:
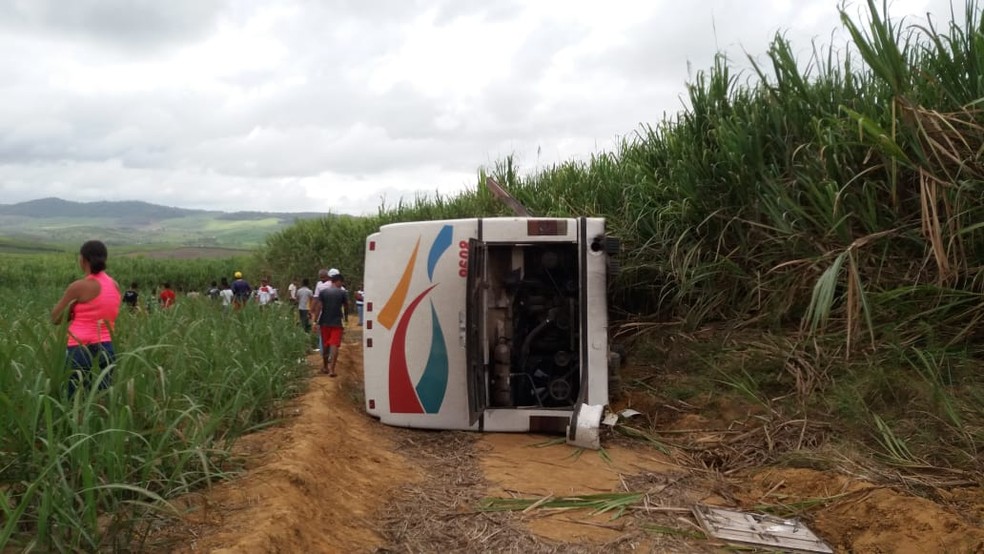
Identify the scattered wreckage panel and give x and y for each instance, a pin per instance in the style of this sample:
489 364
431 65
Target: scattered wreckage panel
760 530
585 427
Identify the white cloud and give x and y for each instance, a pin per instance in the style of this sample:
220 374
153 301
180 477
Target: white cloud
300 106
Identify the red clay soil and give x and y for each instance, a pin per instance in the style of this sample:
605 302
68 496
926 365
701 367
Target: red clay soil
864 518
321 482
314 485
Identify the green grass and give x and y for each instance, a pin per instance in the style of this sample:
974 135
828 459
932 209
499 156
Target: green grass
666 530
218 225
79 473
599 503
912 408
54 271
14 246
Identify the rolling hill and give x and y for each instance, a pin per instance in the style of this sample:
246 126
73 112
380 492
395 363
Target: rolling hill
133 223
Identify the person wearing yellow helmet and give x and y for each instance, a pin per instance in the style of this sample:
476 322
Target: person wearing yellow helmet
240 290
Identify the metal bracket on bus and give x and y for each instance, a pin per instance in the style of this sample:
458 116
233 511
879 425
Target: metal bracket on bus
509 200
584 428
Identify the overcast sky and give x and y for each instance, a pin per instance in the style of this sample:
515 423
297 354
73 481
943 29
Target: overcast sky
333 105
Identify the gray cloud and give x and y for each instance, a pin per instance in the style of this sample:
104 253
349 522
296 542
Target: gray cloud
130 23
332 105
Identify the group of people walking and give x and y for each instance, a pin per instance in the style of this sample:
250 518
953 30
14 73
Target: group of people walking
91 305
235 295
166 298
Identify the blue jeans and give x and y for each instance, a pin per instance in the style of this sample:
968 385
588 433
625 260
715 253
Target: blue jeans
86 362
360 307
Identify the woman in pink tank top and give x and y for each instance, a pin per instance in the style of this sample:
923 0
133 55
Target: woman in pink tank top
91 305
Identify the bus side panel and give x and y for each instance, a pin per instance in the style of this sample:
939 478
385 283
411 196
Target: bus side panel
596 312
414 350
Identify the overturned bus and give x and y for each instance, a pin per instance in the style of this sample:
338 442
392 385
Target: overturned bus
494 324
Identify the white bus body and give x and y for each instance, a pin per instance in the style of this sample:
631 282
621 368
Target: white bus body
496 324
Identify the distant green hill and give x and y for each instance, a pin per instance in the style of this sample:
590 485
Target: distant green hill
13 246
53 221
56 207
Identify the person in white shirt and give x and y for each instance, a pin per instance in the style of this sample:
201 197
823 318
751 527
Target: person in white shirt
265 293
225 293
304 296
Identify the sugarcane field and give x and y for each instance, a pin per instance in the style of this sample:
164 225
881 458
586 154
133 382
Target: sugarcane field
753 324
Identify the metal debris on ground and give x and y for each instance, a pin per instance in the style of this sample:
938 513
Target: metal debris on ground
759 529
584 429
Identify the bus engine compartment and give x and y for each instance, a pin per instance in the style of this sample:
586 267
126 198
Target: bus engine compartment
532 308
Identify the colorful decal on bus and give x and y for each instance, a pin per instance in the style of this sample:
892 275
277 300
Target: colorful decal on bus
427 395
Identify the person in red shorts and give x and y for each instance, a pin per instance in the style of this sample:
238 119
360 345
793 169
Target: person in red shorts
328 305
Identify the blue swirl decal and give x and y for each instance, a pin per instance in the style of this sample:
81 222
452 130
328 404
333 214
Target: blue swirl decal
434 382
441 244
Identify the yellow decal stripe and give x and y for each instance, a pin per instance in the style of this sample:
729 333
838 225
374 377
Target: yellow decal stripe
387 316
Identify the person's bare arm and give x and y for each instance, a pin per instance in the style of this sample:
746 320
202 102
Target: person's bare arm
72 295
315 309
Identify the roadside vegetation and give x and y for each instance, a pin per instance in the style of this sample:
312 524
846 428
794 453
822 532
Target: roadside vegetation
80 474
49 273
15 246
805 241
807 236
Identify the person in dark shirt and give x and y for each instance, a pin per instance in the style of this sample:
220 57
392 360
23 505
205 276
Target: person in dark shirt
131 296
240 291
213 291
329 305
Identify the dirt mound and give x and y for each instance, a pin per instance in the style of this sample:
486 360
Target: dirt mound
315 484
856 516
884 520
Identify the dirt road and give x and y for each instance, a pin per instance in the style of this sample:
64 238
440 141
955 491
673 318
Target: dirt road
331 479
